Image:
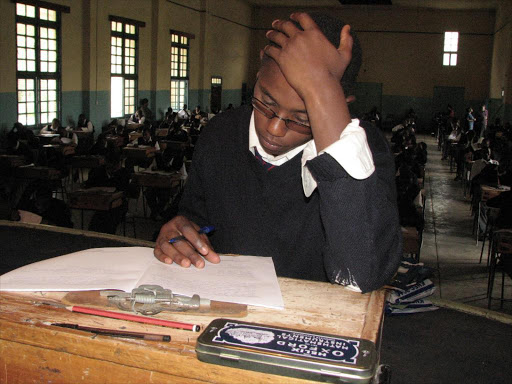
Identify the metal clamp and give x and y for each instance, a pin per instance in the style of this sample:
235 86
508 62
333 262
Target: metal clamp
153 299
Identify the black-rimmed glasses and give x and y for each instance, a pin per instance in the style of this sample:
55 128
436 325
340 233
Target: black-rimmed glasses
265 110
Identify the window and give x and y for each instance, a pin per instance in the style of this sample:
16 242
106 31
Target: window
37 63
216 80
451 45
179 69
123 67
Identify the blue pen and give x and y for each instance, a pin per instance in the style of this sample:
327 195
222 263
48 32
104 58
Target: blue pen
206 229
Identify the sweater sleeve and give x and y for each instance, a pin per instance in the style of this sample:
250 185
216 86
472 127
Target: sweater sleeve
360 218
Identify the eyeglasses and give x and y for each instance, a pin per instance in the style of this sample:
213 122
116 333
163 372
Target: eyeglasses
265 110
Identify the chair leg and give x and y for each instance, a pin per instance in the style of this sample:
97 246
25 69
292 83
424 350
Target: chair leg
502 287
483 241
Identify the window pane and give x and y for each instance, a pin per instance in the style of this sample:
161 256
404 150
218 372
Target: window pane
446 59
20 9
31 11
52 15
43 14
453 59
116 96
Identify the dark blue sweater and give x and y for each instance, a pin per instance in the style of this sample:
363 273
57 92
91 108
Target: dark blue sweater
346 231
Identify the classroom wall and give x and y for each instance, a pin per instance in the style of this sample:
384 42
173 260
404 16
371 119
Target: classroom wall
220 47
402 54
501 73
402 50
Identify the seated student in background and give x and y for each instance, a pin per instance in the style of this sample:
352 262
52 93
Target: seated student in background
169 119
51 128
184 113
83 124
294 178
112 174
67 137
26 135
143 115
177 134
197 115
19 148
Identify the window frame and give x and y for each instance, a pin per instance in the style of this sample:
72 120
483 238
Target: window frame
450 48
37 75
124 36
178 78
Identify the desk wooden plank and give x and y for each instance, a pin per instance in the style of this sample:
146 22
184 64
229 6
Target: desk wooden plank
139 152
37 172
157 180
51 353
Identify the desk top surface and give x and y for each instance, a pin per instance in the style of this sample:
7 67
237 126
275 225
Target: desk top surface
31 349
24 326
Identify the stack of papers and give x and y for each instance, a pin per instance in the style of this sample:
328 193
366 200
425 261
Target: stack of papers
247 280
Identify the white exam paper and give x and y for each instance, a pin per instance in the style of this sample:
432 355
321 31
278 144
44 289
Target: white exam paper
239 279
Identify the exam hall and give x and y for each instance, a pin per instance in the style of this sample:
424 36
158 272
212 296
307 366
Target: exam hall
103 102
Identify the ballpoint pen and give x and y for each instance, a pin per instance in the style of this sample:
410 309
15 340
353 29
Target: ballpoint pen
205 230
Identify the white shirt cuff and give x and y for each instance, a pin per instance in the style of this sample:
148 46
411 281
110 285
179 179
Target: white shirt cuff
351 151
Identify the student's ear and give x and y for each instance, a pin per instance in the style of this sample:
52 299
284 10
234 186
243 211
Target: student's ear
350 99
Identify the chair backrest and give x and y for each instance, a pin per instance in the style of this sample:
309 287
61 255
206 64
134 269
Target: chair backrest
503 241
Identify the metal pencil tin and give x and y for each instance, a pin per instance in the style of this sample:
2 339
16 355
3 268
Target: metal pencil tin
288 352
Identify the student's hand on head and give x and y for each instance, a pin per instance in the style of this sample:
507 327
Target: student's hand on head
191 251
307 58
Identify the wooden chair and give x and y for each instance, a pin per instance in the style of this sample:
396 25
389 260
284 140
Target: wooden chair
492 215
501 255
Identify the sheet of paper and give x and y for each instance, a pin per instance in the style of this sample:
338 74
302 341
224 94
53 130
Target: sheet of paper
92 269
240 279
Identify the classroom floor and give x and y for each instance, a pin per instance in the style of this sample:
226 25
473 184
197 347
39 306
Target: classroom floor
448 243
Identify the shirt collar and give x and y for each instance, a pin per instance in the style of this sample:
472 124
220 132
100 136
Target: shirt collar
254 143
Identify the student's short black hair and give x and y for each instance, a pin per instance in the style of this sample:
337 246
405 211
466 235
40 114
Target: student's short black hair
331 27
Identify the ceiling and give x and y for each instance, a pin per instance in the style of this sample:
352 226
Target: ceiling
436 4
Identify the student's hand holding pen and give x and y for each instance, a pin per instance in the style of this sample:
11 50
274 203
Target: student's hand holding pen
191 245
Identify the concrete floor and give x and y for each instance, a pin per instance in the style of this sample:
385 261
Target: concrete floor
448 244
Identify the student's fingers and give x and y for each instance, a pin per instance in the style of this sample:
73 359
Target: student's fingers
305 21
186 255
212 256
277 37
272 52
346 41
285 26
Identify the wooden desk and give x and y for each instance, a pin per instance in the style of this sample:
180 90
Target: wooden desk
174 145
31 351
488 192
46 138
37 172
87 161
139 152
95 199
134 135
162 132
117 140
157 179
12 160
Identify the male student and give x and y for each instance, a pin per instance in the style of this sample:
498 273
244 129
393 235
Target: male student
294 177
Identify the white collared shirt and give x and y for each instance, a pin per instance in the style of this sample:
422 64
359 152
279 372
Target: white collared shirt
351 151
